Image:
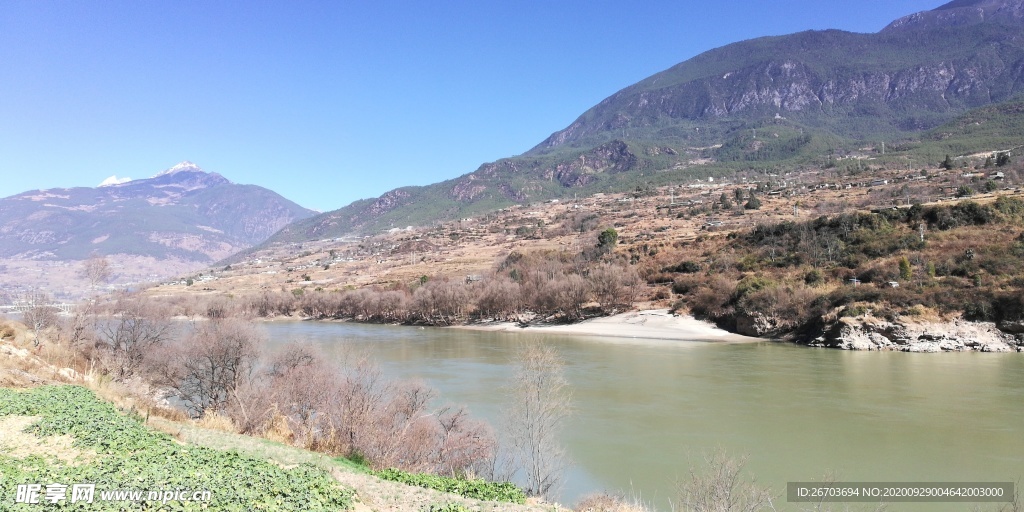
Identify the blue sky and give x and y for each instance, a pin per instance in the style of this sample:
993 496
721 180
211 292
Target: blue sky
328 102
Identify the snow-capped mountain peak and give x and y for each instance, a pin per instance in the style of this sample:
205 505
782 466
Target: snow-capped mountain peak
113 180
183 166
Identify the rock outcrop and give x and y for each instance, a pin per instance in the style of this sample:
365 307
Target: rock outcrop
869 333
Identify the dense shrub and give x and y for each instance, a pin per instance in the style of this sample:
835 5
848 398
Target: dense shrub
813 277
713 298
964 213
953 268
751 284
686 267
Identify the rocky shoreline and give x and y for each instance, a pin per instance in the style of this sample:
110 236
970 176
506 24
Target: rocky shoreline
870 333
847 333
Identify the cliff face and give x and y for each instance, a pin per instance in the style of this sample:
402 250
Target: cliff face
961 13
611 157
911 76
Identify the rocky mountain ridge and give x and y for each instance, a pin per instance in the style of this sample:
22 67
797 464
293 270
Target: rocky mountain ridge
910 76
184 213
820 94
962 12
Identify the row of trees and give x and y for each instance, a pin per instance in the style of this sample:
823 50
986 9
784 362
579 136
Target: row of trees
218 366
544 286
549 285
343 409
342 405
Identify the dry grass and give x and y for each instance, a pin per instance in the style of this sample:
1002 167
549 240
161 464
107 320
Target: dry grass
136 397
215 421
924 314
7 331
20 366
15 442
14 333
605 502
23 364
278 429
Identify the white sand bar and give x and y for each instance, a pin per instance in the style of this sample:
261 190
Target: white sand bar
649 324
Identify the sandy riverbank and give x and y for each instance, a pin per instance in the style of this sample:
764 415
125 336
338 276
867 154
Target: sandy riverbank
655 324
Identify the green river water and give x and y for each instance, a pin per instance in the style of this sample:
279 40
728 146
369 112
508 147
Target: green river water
648 410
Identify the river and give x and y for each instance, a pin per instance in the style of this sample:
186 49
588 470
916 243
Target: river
648 410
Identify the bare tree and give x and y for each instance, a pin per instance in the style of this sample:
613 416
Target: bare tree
499 297
314 305
303 384
210 365
96 269
295 356
632 283
465 444
607 281
393 306
402 432
137 327
572 295
720 487
541 401
77 333
440 302
363 391
39 312
296 384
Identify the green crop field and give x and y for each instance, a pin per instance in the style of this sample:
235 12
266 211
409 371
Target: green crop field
126 456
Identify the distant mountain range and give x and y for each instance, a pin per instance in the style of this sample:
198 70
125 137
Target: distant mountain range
183 213
795 100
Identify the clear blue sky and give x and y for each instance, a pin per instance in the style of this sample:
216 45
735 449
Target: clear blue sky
331 101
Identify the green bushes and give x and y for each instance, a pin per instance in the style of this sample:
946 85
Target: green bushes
1011 208
447 507
905 270
686 267
607 239
814 277
750 284
475 489
964 213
